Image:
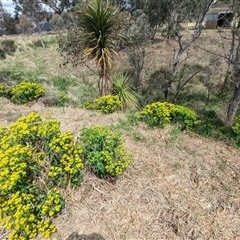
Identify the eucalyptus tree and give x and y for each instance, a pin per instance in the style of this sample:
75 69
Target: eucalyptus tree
59 6
234 64
35 11
178 13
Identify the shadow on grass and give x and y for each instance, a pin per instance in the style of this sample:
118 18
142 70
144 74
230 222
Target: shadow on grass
212 126
92 236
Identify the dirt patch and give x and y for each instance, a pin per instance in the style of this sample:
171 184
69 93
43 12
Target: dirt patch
179 186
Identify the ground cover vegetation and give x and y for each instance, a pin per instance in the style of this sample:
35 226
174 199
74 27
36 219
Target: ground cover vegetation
117 63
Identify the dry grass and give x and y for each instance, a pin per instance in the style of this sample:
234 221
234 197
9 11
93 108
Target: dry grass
178 186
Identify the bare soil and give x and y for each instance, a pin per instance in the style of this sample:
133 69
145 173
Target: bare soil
179 186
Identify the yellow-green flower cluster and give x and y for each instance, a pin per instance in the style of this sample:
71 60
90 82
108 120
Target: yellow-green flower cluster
105 104
13 166
25 92
34 157
52 204
46 228
183 115
155 114
31 128
104 151
17 213
162 113
69 159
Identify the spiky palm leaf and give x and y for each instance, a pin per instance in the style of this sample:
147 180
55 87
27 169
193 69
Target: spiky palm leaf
122 87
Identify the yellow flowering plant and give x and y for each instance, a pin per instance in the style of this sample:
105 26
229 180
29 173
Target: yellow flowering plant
104 151
36 159
162 113
25 92
105 104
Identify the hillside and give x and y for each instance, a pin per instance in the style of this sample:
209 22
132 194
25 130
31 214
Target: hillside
180 185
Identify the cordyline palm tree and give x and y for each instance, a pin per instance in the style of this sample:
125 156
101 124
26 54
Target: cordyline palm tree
100 23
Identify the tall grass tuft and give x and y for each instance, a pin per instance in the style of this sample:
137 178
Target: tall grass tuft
123 89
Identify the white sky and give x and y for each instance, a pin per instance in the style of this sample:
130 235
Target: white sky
8 5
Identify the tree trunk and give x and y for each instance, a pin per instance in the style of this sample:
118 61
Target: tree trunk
235 100
234 103
105 82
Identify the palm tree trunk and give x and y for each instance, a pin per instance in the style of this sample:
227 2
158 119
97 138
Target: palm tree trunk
105 81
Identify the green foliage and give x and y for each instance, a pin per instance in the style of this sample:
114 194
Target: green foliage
47 43
25 92
122 89
2 54
105 104
162 113
104 151
62 99
4 91
236 129
155 114
63 83
183 115
35 159
8 46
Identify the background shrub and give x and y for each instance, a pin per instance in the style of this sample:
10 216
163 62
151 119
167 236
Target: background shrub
8 46
2 54
162 113
155 114
25 92
105 104
104 151
4 91
62 99
183 115
36 159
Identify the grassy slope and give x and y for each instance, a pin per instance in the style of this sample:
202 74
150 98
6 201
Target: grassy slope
179 186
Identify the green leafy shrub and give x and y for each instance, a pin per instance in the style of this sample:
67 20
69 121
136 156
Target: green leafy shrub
155 114
2 54
236 129
183 115
35 160
105 104
4 91
8 46
104 151
25 92
162 113
62 99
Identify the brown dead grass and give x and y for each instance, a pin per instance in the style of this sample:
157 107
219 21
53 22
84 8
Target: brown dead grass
178 186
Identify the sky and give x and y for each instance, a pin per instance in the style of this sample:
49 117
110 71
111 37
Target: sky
7 4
